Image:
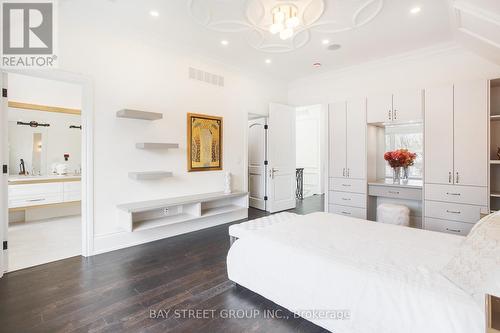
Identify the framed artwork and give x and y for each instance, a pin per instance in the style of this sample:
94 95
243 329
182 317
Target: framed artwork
204 142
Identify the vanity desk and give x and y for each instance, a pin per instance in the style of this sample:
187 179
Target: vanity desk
407 194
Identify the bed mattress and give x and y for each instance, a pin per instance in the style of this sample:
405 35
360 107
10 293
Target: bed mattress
387 278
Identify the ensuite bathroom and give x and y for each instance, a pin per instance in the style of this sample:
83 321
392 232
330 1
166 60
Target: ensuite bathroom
45 168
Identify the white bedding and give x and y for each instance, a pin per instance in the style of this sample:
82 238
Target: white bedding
387 277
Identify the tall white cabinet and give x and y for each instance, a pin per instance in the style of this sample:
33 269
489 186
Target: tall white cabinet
347 158
456 156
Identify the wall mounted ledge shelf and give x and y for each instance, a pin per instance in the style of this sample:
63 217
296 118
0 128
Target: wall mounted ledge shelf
136 114
495 117
215 208
149 175
495 162
156 145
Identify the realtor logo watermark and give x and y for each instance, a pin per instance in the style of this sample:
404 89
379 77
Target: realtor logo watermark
28 34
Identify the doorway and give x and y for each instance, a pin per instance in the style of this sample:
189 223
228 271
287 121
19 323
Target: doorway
47 159
311 149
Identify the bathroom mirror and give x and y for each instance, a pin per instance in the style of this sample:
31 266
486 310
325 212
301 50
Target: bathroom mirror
43 141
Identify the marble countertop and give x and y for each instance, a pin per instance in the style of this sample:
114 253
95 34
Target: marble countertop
412 183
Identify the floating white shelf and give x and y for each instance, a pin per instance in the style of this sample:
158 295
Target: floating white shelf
495 194
494 161
136 114
495 118
149 175
156 145
211 208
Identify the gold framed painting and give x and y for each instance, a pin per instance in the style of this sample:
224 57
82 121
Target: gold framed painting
204 142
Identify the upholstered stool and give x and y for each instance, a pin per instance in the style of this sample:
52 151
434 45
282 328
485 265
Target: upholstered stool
393 214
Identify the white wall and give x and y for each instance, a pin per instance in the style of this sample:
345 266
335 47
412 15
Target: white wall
309 147
418 69
129 71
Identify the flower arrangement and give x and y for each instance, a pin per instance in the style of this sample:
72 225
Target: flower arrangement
400 158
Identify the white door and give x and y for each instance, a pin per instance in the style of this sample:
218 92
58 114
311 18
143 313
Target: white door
471 128
281 155
4 157
356 139
256 159
379 109
438 135
337 129
407 106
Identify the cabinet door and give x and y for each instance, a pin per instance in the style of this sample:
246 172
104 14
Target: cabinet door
379 109
471 128
407 106
356 139
337 139
439 135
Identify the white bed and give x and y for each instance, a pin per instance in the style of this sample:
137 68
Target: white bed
387 277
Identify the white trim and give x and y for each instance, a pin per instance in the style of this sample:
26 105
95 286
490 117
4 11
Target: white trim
87 146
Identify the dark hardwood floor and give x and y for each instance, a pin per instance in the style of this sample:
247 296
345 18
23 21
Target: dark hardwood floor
115 291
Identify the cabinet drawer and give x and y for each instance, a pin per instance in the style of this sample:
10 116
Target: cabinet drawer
395 192
450 227
359 213
72 186
36 200
348 185
348 199
460 194
453 211
34 189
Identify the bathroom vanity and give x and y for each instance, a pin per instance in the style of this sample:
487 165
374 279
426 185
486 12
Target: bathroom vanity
29 192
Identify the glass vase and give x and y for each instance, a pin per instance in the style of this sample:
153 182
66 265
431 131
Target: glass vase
396 175
406 174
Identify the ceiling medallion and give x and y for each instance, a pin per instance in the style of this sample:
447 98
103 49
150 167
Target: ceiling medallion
280 25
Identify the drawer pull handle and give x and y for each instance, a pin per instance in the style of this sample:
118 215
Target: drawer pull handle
346 199
394 192
346 213
452 211
36 200
454 230
451 193
346 185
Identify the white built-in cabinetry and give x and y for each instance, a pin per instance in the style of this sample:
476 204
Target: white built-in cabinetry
456 156
29 195
347 158
401 107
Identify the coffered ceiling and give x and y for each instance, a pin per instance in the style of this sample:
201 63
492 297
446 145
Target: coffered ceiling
333 33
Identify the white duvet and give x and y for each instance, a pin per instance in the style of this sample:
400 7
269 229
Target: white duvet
387 277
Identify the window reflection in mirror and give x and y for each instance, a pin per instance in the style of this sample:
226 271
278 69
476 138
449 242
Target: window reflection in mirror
42 148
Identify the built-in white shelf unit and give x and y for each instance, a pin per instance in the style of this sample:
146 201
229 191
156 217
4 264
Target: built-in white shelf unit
156 145
149 175
218 207
494 145
136 114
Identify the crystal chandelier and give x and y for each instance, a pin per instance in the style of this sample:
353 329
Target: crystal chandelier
285 19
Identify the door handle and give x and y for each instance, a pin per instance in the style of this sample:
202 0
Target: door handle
343 172
457 178
454 194
454 230
390 111
272 171
453 211
449 177
395 116
345 213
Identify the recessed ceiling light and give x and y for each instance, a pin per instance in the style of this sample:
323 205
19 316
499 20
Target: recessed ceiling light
154 13
268 61
325 42
224 42
317 65
415 10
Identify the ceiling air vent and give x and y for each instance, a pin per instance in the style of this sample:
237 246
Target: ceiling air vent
199 75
